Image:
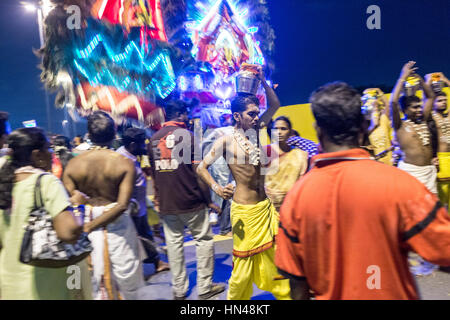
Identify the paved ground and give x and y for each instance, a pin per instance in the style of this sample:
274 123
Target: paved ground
432 287
435 286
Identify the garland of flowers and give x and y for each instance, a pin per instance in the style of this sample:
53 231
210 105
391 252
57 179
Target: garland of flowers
422 130
248 147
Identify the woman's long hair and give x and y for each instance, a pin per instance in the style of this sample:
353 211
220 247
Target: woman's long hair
22 142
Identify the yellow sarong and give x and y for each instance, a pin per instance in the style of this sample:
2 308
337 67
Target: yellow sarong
254 229
443 178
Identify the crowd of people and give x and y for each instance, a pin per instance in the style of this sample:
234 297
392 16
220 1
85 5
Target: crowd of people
307 220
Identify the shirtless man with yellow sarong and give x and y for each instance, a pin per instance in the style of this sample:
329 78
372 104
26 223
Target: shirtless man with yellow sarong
440 117
253 216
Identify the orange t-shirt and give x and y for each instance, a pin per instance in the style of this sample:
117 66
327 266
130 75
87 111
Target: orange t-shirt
349 223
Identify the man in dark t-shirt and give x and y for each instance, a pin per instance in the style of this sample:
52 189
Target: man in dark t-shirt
183 200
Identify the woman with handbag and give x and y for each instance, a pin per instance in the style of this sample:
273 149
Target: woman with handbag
21 178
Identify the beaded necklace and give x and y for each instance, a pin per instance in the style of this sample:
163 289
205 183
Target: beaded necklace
422 130
248 147
99 148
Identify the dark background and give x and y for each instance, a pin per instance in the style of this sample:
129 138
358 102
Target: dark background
326 40
317 41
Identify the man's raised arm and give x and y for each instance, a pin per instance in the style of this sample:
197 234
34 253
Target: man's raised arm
272 101
392 109
445 79
428 98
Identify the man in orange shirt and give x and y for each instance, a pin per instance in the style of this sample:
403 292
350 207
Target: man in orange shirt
346 227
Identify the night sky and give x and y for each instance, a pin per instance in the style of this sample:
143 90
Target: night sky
317 41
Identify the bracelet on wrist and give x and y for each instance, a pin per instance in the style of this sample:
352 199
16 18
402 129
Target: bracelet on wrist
215 187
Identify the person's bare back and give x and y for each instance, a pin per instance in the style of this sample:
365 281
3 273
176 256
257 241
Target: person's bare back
98 174
105 177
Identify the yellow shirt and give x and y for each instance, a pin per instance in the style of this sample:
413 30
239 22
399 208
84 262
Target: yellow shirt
380 139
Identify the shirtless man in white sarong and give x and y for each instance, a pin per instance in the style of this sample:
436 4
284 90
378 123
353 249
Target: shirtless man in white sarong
107 178
412 132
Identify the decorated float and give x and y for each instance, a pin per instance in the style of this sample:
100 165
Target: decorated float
127 57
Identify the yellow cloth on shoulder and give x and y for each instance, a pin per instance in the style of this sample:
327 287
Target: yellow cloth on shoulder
283 173
254 227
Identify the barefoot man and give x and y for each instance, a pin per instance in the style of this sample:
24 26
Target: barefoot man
414 137
253 217
412 132
108 179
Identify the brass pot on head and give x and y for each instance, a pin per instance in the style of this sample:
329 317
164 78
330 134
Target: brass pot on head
247 80
436 82
412 84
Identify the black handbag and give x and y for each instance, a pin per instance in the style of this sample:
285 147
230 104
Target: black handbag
41 247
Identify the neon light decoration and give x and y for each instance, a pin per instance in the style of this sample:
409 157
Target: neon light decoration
119 62
223 37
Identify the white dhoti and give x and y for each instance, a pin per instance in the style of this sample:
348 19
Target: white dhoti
425 174
124 252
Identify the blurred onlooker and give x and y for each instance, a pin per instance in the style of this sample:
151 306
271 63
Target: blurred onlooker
62 155
286 164
77 140
182 200
221 173
30 158
296 141
134 146
4 131
83 146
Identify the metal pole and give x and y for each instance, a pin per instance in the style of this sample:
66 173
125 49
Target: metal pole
41 39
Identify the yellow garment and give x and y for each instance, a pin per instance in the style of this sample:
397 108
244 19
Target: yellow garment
444 166
380 139
254 229
443 177
443 192
282 174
